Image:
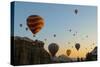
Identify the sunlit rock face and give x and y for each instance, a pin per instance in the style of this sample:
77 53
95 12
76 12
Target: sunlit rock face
27 51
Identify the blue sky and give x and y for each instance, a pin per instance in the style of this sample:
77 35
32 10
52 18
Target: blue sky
59 19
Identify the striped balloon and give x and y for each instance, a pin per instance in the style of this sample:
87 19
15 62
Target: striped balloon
35 23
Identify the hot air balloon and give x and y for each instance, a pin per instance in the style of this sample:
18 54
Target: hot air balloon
53 48
54 35
73 34
86 36
76 32
35 23
70 30
34 35
72 46
20 25
68 52
77 46
93 43
26 29
68 42
45 39
76 11
91 48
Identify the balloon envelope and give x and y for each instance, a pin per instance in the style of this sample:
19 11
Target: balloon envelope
35 23
76 11
45 39
70 30
77 46
54 35
73 34
68 52
21 25
26 29
53 48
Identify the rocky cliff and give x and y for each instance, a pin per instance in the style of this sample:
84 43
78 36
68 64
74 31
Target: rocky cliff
26 51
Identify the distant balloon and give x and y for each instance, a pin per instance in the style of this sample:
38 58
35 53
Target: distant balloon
45 39
93 43
54 35
26 29
76 11
86 36
77 46
34 35
68 52
76 32
68 42
70 30
53 48
35 23
73 34
20 25
72 46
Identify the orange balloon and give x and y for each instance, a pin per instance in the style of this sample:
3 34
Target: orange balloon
35 23
68 52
